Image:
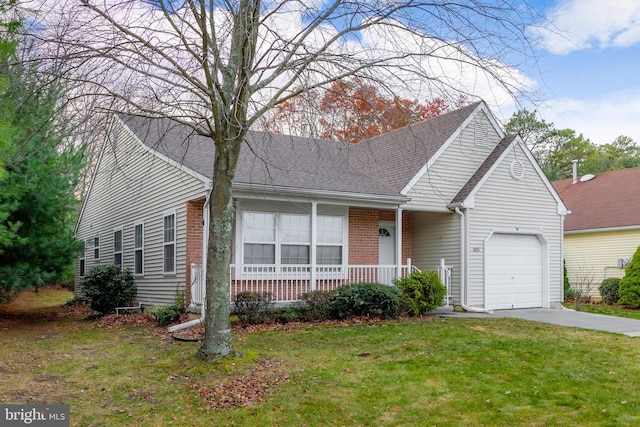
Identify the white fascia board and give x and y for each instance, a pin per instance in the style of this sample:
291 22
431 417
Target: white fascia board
414 208
481 107
493 120
470 199
93 175
205 180
562 208
263 192
603 230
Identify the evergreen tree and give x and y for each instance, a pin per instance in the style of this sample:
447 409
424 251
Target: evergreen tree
629 286
39 174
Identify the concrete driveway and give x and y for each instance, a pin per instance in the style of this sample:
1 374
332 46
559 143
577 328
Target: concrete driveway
562 317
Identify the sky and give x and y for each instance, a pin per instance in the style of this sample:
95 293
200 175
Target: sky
588 70
585 72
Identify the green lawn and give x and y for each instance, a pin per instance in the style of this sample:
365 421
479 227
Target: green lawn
454 372
609 310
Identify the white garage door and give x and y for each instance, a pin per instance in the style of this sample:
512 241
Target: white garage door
514 272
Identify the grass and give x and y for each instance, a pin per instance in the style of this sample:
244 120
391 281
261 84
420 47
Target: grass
454 372
609 310
42 299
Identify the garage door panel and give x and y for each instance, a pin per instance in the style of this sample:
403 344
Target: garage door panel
514 272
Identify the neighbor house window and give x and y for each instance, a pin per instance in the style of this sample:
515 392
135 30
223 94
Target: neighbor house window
82 253
96 247
117 248
329 239
138 249
169 232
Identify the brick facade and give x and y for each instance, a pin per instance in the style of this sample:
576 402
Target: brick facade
194 240
363 234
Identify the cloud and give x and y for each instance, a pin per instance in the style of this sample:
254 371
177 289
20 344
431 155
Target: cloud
599 120
584 24
440 67
152 61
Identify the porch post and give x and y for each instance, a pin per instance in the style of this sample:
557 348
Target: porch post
312 249
398 243
205 246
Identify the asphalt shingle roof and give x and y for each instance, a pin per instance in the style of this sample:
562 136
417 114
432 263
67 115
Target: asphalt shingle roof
379 166
611 199
397 156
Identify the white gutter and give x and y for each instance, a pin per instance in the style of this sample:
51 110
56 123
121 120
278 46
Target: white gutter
306 193
463 257
205 239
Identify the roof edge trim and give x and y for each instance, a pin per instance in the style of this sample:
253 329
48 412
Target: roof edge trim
180 166
93 175
482 106
603 230
279 190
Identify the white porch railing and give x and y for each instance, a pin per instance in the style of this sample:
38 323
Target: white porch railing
444 272
287 282
197 285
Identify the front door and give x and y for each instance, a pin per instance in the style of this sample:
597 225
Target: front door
387 252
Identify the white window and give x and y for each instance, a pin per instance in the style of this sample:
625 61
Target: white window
138 249
285 239
82 253
96 247
295 239
259 238
117 248
169 239
329 239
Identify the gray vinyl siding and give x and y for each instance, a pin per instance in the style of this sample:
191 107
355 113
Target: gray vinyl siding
503 204
436 236
132 185
442 181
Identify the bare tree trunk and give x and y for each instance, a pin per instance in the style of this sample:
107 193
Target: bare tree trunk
218 67
217 339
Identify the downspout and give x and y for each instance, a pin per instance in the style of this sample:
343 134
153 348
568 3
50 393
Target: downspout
463 276
205 240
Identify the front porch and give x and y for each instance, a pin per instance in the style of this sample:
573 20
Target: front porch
287 282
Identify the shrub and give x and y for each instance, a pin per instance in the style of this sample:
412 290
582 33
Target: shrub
166 314
316 305
629 288
609 290
254 308
422 291
568 292
366 299
107 287
75 301
287 314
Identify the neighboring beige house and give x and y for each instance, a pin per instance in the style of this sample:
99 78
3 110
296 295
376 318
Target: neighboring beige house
315 214
603 231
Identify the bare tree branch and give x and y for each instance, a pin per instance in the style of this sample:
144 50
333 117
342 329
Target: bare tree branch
220 66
